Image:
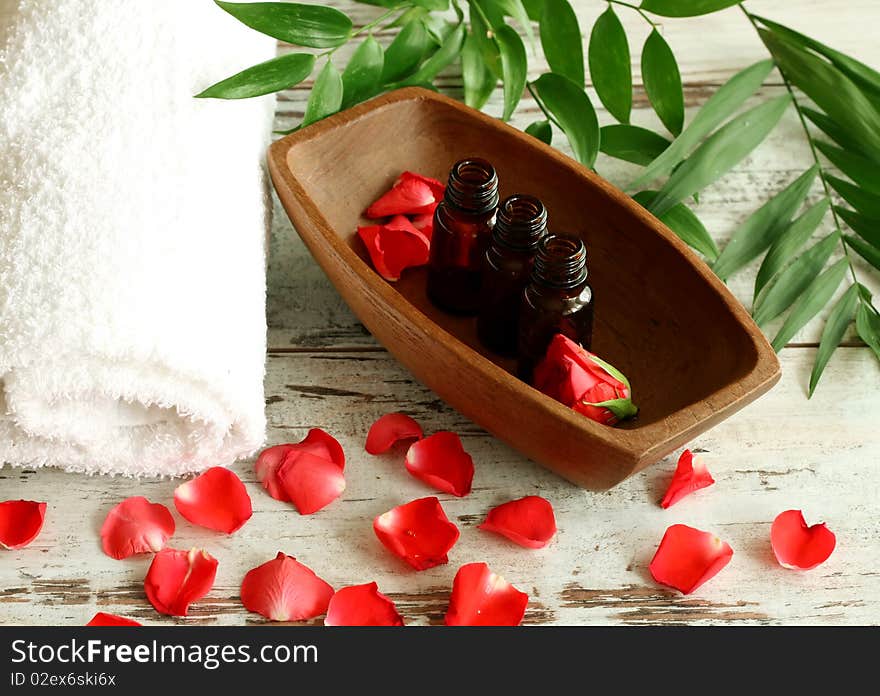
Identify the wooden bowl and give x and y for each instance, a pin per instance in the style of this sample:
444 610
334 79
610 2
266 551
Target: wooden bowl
691 351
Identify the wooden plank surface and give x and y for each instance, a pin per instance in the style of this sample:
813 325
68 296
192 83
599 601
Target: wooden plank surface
325 370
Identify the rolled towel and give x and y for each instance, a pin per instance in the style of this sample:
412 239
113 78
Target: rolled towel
132 234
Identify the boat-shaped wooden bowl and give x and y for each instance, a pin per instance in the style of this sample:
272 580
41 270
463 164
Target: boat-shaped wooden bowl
690 350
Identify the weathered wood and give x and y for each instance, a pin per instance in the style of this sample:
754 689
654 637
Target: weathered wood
823 460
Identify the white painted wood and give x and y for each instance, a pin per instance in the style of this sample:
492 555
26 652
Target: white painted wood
783 452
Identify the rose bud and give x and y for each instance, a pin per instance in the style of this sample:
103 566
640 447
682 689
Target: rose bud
582 381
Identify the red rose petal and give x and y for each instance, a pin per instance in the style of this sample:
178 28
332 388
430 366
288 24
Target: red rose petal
528 521
688 557
20 522
317 442
482 598
102 619
177 578
283 589
390 429
425 223
310 482
418 532
136 526
362 605
411 194
798 546
440 461
216 499
690 475
395 246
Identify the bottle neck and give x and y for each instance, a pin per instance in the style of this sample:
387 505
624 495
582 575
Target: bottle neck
472 186
560 263
521 223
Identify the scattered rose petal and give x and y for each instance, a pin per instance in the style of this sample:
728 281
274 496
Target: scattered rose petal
798 546
440 461
136 526
582 381
418 532
310 482
216 499
317 442
411 194
102 619
688 557
690 475
528 521
283 589
395 246
20 522
390 429
178 578
482 598
362 605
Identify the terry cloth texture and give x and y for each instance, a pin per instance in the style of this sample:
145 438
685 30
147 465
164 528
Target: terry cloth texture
132 235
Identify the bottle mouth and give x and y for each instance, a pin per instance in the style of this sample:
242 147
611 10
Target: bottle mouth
473 185
522 221
561 261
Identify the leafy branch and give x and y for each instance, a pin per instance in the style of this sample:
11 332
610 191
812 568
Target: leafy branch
486 39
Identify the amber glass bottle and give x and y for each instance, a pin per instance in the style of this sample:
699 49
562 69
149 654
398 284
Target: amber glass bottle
462 228
521 223
556 300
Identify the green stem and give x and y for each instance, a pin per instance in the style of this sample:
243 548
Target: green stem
367 27
635 8
822 174
541 105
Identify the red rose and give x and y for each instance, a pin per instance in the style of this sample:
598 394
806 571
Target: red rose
580 380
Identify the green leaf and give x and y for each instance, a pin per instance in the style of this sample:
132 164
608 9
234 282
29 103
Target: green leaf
866 203
610 65
404 54
861 74
789 284
488 48
764 226
721 152
621 408
534 9
265 78
720 106
432 5
447 53
843 313
860 169
870 253
663 82
685 8
513 67
326 96
437 27
478 80
561 40
789 242
833 91
360 79
867 228
516 9
632 143
681 220
815 297
316 26
868 327
571 108
413 14
832 130
541 130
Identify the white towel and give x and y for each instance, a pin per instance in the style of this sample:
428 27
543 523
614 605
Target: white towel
132 233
